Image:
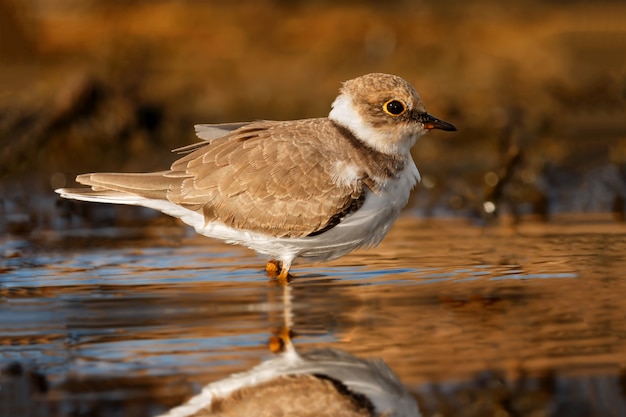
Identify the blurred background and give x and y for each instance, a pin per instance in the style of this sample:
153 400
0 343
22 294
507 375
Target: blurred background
537 90
104 321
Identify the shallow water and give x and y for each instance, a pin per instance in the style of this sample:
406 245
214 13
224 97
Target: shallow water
528 320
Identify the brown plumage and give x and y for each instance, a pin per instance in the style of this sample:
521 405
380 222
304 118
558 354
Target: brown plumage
259 178
314 188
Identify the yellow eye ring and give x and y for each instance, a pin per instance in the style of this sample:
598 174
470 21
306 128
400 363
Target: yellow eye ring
394 107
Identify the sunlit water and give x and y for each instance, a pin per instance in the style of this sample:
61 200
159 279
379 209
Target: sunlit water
474 321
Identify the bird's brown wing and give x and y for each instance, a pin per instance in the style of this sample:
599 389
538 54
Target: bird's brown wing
277 178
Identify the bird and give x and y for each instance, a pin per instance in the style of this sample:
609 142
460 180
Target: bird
313 189
319 382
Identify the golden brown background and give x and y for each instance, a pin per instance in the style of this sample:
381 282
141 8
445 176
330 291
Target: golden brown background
536 89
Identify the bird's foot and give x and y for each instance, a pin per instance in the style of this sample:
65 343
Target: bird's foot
273 268
276 269
280 340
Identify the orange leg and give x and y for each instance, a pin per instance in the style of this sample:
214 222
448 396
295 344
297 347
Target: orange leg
273 268
280 340
283 277
279 270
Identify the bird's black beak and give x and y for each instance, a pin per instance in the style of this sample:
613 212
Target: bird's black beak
431 122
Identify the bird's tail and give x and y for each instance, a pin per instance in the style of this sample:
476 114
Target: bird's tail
123 188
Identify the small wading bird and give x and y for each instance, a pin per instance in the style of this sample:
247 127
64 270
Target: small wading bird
324 382
312 188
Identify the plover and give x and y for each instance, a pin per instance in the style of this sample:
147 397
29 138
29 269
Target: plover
328 382
312 188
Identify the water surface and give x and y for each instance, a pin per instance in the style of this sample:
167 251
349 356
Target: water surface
526 320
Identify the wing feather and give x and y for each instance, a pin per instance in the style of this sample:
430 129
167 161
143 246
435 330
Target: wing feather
210 132
258 176
258 180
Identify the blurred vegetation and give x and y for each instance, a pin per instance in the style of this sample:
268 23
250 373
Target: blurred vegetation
537 90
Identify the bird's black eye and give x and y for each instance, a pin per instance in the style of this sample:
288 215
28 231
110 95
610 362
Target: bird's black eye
394 107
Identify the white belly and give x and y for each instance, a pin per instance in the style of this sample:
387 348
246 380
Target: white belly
365 227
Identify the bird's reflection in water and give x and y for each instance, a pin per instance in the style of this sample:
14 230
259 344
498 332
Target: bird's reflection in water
323 382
